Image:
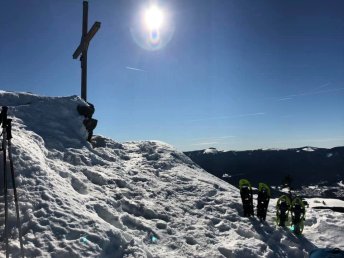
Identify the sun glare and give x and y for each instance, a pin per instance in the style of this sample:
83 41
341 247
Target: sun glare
153 28
153 18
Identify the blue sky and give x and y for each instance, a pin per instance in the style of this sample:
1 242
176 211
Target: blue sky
231 74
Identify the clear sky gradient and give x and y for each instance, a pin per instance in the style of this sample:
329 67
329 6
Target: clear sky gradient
231 74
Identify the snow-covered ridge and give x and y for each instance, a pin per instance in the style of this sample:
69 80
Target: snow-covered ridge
211 150
308 148
133 199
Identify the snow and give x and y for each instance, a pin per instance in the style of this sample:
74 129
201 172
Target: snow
131 199
308 149
321 202
210 151
270 149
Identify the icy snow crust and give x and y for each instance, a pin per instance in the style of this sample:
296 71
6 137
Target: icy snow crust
133 199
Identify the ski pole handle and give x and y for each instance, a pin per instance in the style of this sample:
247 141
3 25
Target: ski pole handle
9 129
3 116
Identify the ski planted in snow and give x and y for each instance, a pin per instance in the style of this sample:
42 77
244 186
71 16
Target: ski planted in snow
298 212
246 197
282 210
263 200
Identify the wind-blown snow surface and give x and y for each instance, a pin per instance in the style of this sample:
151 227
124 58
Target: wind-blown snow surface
133 199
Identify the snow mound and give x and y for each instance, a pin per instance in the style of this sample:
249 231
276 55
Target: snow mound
210 150
132 199
309 149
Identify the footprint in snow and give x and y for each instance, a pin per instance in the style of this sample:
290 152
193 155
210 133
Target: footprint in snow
245 233
199 204
190 240
107 216
211 193
79 186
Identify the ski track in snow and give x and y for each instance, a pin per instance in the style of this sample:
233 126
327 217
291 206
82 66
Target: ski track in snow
80 201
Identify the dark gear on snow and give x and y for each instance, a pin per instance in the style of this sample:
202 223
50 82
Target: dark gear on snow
246 197
90 124
263 200
282 210
298 211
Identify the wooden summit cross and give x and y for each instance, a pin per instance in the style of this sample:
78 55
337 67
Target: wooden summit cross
83 47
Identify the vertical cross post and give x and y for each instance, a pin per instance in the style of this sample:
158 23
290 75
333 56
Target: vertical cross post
83 47
83 58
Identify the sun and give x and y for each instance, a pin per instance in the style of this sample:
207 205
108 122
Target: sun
153 28
154 18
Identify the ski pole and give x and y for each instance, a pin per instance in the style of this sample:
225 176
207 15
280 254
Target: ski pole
9 137
4 120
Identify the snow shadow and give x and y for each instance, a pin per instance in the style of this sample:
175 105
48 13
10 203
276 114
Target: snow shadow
282 241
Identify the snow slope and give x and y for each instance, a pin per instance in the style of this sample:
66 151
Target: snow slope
133 199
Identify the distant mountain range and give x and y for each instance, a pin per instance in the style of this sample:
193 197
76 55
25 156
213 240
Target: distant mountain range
304 166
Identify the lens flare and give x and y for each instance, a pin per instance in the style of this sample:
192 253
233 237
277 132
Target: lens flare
154 239
153 29
154 37
83 239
